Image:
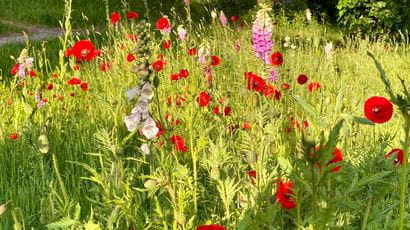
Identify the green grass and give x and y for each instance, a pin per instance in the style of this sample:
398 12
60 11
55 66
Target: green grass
86 133
8 29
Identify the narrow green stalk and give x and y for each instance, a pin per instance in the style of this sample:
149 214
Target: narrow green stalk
58 176
194 161
403 184
314 193
366 214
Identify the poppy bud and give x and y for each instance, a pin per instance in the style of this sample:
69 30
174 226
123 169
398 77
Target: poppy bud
150 184
43 144
215 173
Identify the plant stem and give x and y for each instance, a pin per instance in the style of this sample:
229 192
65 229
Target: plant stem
404 173
194 161
313 193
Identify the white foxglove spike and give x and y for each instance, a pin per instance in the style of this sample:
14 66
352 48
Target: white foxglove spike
132 121
132 93
150 129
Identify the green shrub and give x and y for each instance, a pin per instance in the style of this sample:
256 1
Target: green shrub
375 17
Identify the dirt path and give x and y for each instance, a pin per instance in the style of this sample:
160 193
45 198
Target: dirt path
34 33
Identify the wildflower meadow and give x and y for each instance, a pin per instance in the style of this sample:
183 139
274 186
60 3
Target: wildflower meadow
207 116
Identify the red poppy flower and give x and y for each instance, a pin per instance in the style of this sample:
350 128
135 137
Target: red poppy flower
284 194
50 86
211 227
175 77
285 86
15 69
115 17
269 91
252 175
313 86
302 79
158 65
161 130
378 109
166 44
183 73
203 99
337 157
74 81
83 50
55 75
13 136
215 60
216 110
84 86
254 82
227 111
179 143
399 156
163 23
246 125
132 15
130 57
234 18
32 73
276 59
192 52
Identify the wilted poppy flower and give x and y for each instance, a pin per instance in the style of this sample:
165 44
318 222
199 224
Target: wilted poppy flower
50 86
302 79
215 60
278 94
285 86
105 66
13 136
163 24
254 82
83 50
211 227
313 86
115 17
378 109
132 15
399 156
158 65
252 175
276 59
74 81
203 99
179 143
284 194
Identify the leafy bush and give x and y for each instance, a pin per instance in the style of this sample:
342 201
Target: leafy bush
372 16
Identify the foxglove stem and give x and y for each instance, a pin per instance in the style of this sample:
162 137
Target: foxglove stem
404 173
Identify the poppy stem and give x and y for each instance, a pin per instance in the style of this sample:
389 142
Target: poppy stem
313 192
404 173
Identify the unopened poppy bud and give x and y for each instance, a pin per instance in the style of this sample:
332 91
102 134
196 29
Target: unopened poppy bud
43 144
181 219
150 184
251 157
215 173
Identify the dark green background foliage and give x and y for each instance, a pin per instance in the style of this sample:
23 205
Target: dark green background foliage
372 16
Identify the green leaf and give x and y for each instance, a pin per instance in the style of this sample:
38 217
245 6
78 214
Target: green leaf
374 178
285 165
363 121
64 223
384 77
306 106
